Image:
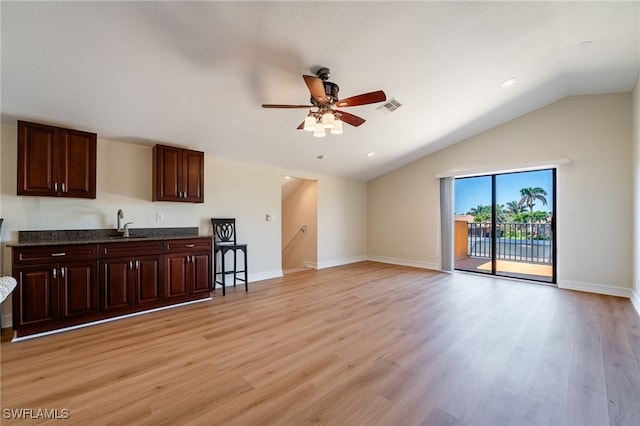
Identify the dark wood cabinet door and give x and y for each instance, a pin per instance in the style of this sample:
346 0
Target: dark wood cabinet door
193 176
201 273
176 276
149 284
38 159
56 162
35 299
78 164
116 284
178 174
78 292
167 173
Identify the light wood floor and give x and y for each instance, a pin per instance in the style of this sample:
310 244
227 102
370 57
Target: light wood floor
363 344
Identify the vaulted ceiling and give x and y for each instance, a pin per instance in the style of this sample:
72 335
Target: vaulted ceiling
195 74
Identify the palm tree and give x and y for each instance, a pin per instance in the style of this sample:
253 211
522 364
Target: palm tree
481 213
513 207
530 195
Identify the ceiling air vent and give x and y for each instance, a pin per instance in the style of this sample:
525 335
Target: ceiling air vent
389 106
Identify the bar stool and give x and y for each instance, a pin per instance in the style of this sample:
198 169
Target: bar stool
224 241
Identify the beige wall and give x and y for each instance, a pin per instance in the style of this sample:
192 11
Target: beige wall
300 227
342 221
594 243
235 189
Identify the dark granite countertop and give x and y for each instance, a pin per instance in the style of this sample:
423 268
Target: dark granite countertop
101 236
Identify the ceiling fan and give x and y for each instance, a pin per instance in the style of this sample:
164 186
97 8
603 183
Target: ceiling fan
324 97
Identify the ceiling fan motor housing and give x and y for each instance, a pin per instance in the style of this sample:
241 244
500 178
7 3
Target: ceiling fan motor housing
330 90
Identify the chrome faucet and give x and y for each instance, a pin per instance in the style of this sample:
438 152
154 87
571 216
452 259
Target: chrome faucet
120 216
126 229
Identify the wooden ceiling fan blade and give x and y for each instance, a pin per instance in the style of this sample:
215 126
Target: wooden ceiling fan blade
316 88
285 106
351 119
363 99
301 126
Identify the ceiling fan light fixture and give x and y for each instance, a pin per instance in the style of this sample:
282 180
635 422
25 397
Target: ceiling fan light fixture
337 127
310 123
328 119
319 131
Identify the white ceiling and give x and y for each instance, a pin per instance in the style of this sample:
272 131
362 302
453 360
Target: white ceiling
195 74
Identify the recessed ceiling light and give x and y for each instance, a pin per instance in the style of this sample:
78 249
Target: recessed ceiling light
508 82
370 154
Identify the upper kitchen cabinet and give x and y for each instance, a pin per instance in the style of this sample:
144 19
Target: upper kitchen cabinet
178 174
56 162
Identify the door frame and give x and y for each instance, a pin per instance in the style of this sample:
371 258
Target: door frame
493 235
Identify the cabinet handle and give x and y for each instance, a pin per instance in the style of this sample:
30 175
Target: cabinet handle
58 254
64 187
137 264
190 245
130 264
62 272
55 272
55 186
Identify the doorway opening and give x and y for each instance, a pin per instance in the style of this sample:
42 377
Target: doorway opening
299 224
505 225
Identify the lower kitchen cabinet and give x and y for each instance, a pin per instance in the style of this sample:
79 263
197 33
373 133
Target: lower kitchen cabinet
187 268
56 285
78 296
126 283
131 276
35 299
65 285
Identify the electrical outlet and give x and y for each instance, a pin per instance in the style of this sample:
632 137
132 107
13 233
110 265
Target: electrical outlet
159 217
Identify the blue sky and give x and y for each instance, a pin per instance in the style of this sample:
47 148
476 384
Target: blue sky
470 192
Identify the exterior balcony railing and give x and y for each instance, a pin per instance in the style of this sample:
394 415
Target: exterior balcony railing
524 242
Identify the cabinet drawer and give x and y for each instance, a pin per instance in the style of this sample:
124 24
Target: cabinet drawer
130 249
48 254
187 245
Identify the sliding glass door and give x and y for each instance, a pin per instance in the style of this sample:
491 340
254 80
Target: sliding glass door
504 225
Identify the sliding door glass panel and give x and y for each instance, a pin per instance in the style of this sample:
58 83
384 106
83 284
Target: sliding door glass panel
524 231
472 224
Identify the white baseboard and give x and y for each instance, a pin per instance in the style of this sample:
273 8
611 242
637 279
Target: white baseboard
405 262
609 290
310 264
294 270
339 262
264 276
635 301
